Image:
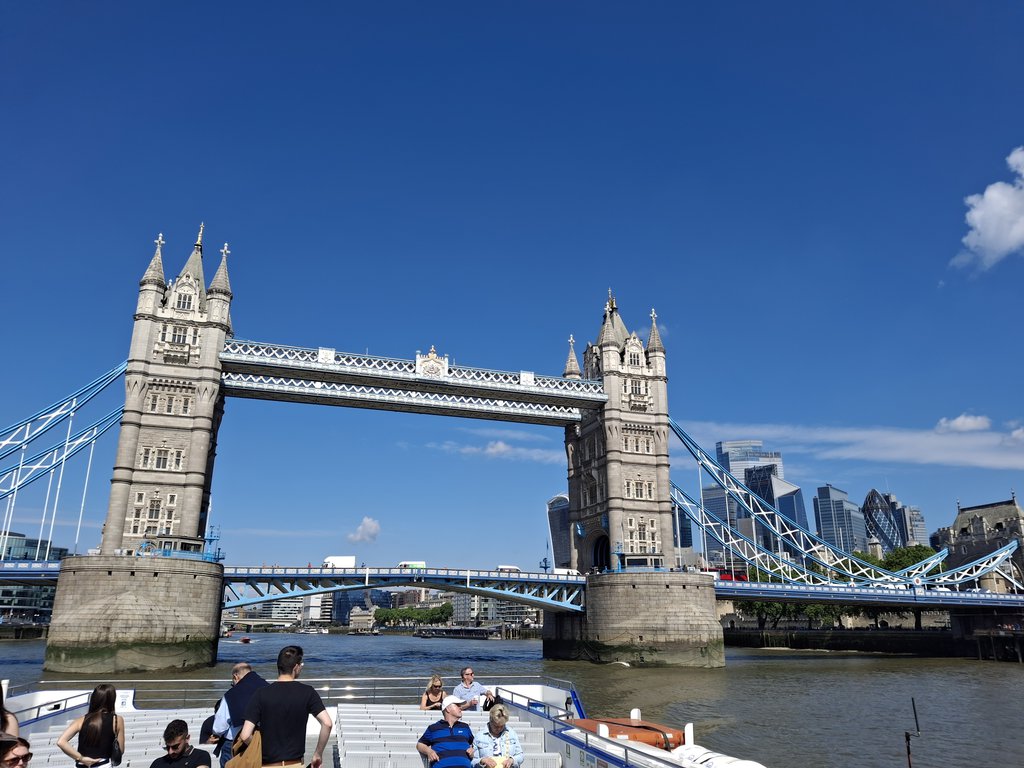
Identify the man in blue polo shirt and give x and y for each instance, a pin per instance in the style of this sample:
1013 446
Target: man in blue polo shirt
448 743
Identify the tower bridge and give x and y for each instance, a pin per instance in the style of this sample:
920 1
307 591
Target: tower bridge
624 517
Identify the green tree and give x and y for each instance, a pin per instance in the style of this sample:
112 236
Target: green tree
904 557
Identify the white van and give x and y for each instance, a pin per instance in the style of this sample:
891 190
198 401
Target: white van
508 569
413 564
565 572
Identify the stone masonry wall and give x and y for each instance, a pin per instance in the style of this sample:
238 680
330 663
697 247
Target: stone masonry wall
656 618
121 614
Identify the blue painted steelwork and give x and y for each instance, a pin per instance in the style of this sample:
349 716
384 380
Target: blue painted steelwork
552 592
832 565
17 435
896 597
33 468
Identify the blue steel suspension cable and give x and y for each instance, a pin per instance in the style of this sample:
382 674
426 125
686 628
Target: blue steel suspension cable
57 412
37 467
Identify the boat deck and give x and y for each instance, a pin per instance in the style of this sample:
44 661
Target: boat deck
365 736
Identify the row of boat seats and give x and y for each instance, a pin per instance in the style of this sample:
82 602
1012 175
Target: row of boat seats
385 735
531 746
413 760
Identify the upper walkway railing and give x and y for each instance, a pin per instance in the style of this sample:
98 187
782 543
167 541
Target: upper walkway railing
428 384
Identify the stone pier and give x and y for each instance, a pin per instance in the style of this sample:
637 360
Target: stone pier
651 618
115 614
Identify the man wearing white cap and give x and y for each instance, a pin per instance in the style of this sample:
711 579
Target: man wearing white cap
448 743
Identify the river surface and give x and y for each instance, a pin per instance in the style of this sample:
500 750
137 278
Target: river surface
783 708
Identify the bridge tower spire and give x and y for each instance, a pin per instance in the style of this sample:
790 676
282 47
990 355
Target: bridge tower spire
620 512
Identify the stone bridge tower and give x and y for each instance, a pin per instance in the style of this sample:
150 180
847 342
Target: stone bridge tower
620 513
160 489
124 610
620 519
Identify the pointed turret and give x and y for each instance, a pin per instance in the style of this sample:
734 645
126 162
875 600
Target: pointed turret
572 366
194 265
155 271
218 297
654 340
220 283
607 335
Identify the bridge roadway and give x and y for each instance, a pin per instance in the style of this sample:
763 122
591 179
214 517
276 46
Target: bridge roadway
249 585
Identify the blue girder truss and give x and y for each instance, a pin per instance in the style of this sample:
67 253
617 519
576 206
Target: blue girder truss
551 592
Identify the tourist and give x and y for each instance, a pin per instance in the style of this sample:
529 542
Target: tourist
281 710
230 715
498 746
471 691
448 743
8 722
180 753
14 751
434 695
96 730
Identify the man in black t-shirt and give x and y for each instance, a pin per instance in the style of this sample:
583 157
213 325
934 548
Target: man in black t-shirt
180 754
281 711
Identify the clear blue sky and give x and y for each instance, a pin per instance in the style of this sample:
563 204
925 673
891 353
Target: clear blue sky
786 183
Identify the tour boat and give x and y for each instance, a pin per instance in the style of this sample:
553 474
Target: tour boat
377 723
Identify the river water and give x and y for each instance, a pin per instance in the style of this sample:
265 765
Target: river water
782 708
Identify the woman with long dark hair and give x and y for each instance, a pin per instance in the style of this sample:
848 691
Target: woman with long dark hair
8 722
14 751
96 730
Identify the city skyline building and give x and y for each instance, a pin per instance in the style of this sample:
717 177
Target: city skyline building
914 526
786 497
885 520
737 456
27 603
840 521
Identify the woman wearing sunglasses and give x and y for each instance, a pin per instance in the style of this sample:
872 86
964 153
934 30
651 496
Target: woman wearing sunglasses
434 695
14 751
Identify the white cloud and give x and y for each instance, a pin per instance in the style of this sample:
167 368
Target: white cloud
980 448
368 530
996 220
499 449
964 423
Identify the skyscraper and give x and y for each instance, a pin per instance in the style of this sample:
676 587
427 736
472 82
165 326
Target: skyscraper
781 494
737 456
840 522
883 516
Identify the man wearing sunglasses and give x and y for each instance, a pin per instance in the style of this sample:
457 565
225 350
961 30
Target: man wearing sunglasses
471 691
180 753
